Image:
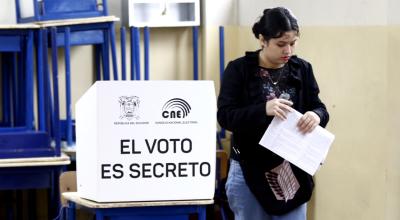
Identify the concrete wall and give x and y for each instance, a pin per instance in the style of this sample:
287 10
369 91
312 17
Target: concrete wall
353 46
392 170
353 80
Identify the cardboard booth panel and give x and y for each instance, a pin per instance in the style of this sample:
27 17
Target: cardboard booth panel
146 141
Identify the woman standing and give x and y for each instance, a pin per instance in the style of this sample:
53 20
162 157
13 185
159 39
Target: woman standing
262 84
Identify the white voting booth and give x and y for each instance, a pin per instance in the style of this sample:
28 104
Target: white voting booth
146 141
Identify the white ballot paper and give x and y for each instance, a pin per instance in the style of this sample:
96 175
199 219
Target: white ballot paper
306 151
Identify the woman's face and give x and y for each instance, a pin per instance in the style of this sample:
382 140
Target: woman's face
277 51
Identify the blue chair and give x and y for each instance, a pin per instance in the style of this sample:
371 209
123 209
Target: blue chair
43 10
99 32
18 135
70 15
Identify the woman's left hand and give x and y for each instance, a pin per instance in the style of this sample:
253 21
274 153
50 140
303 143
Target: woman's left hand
308 122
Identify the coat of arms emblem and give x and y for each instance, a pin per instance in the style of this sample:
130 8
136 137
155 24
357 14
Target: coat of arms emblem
129 106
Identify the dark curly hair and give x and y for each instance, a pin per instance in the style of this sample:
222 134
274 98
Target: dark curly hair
274 23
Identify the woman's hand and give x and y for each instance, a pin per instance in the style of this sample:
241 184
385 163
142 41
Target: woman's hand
278 107
308 122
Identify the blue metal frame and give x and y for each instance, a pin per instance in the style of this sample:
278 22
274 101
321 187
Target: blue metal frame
6 96
123 53
179 212
97 58
14 83
68 110
20 121
113 50
221 64
48 101
136 32
135 52
195 53
62 9
23 144
29 82
105 47
146 33
133 60
195 42
40 83
221 51
100 35
35 177
56 114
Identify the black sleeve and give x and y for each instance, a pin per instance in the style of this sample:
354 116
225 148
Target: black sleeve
315 104
235 111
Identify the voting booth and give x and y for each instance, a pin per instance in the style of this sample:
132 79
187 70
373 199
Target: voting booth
146 141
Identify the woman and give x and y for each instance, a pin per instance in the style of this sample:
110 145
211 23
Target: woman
263 84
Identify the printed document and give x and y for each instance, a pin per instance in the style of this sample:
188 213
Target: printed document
306 151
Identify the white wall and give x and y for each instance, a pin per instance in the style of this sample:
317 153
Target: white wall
216 13
393 12
311 12
114 7
320 12
7 12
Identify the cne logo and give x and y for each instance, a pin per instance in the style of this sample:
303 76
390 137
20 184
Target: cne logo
176 108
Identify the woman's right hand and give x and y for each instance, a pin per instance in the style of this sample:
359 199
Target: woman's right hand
278 107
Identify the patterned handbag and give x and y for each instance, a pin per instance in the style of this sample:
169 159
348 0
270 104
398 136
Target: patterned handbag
278 185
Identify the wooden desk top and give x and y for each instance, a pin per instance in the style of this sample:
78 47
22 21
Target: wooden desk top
52 23
35 161
74 197
19 26
77 21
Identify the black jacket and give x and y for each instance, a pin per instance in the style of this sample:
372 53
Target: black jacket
241 105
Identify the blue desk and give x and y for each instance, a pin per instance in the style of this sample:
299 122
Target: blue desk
34 173
58 9
166 210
